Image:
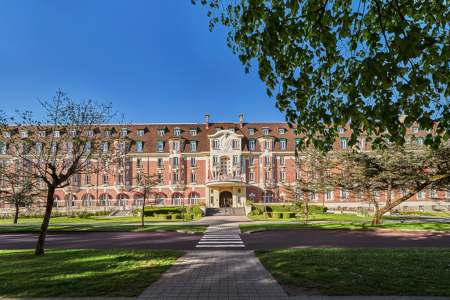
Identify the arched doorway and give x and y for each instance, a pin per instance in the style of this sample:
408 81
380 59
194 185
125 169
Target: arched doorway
225 199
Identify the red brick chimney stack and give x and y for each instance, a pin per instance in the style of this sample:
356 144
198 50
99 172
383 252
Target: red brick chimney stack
207 121
241 120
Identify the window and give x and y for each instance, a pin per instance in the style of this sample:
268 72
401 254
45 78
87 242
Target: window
88 147
160 146
282 176
54 147
251 131
215 160
433 194
87 179
193 146
415 130
267 176
193 162
23 134
281 130
216 144
343 143
175 162
161 132
177 132
193 199
107 133
140 132
232 129
267 160
139 163
235 160
420 195
104 200
160 163
105 179
265 131
2 148
73 133
298 141
41 133
419 141
340 130
282 161
193 132
251 161
176 146
90 133
236 144
218 129
123 200
139 146
193 177
283 144
175 177
344 194
123 132
329 195
251 145
104 147
267 144
251 176
176 199
6 134
120 179
268 197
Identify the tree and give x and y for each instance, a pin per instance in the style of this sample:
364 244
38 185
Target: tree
313 177
145 184
17 186
405 169
360 62
62 145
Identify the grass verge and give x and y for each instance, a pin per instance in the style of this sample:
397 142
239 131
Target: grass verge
7 228
422 226
401 272
90 219
81 273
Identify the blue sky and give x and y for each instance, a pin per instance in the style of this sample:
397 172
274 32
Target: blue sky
156 61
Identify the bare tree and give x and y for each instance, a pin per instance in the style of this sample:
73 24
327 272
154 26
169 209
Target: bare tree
145 185
64 144
17 186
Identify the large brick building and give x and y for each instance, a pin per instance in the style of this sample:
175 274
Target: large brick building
213 164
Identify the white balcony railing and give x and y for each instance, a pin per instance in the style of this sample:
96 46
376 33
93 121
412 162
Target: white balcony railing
227 178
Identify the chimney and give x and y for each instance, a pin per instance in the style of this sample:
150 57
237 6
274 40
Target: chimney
241 120
207 121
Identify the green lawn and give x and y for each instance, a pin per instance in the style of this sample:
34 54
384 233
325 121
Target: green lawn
422 272
318 217
81 273
102 227
422 226
92 219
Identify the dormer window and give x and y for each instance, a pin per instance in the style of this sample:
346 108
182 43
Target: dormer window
23 134
415 130
161 132
41 133
251 131
340 130
177 132
90 133
265 131
236 145
281 130
123 132
216 144
193 132
218 129
140 132
6 134
107 133
231 129
72 132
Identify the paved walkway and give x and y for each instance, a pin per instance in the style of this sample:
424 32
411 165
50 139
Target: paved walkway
216 274
222 236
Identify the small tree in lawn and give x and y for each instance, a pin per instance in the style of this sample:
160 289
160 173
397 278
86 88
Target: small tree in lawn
17 186
62 145
145 184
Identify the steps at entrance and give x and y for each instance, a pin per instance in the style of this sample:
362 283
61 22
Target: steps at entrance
226 211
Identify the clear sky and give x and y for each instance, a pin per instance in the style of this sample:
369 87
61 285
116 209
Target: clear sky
155 60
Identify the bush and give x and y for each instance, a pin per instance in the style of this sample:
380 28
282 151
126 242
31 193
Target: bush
196 211
163 210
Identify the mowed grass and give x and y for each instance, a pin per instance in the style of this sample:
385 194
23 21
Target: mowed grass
402 272
420 226
318 217
81 273
80 227
91 219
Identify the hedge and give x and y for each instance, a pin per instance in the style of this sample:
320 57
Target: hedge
163 210
284 209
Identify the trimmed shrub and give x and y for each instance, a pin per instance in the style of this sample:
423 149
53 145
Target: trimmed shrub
163 210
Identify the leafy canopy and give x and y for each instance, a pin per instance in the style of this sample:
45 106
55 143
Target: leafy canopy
333 62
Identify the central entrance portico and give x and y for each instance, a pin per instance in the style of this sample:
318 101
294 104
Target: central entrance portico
225 199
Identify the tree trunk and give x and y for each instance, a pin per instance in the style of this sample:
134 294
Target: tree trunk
16 213
44 227
143 209
377 217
